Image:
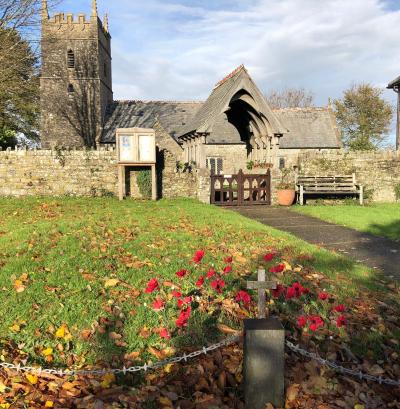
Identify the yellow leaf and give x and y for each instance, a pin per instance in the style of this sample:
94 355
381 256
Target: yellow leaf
288 267
15 328
47 351
5 405
358 406
297 270
168 368
60 333
33 379
112 282
165 402
227 330
2 387
49 404
108 380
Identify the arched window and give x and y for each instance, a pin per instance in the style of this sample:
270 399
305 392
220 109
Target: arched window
71 59
71 89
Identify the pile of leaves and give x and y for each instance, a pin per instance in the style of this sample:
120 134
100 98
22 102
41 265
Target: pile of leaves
206 301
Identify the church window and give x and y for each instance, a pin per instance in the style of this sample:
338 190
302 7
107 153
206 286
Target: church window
215 165
71 59
282 163
71 89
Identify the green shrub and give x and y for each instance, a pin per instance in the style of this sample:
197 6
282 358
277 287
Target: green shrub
397 191
144 182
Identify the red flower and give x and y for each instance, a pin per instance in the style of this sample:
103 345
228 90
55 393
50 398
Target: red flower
185 301
315 322
164 333
290 293
211 273
181 273
200 281
244 297
152 285
158 304
269 257
198 256
302 321
218 285
227 269
183 317
228 260
277 269
340 308
176 294
280 289
341 321
323 296
296 290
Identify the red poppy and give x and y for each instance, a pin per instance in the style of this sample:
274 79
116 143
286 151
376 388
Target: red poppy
315 322
164 333
158 304
290 293
181 273
277 269
211 273
302 321
152 285
243 296
269 257
176 294
228 260
340 308
280 289
227 269
341 321
183 317
323 296
184 301
296 290
198 256
200 281
218 285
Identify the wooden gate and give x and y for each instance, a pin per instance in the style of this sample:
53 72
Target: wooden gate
241 189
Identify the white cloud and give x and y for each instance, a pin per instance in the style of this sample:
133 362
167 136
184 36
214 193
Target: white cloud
175 51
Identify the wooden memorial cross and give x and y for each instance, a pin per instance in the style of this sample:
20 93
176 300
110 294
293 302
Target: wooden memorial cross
264 354
261 285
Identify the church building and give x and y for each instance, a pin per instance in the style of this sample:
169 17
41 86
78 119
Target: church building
233 129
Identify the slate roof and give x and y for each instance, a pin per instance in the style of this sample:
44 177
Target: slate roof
219 100
172 115
309 128
394 83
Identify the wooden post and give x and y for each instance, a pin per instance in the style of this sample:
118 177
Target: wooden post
361 195
153 182
301 195
121 182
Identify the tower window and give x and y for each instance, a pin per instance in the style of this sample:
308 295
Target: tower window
71 59
71 89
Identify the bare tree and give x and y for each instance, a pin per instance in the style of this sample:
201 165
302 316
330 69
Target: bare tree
290 98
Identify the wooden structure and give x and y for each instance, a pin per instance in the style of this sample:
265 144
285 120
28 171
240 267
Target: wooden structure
241 189
136 147
328 185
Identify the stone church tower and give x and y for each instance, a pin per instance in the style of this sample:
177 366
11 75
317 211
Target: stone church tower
75 83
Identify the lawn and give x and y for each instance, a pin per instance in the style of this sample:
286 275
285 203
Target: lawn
74 275
379 219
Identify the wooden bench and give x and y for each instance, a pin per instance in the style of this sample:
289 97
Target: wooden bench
328 185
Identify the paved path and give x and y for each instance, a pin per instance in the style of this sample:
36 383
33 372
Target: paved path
370 250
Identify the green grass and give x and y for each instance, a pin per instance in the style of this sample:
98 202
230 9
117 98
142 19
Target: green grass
379 219
65 250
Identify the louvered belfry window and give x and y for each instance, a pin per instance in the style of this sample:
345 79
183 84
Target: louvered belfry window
215 165
71 59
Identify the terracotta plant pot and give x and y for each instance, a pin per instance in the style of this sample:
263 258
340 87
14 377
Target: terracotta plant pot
286 197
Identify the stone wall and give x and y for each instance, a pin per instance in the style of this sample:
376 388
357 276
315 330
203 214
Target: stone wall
378 172
89 173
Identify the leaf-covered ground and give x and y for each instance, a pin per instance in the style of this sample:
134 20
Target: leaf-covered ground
94 283
379 219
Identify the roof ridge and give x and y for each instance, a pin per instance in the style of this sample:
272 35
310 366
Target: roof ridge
324 108
146 101
230 75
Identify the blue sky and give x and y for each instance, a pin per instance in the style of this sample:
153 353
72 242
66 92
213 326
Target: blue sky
178 49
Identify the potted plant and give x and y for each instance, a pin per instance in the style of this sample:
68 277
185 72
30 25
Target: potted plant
285 190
